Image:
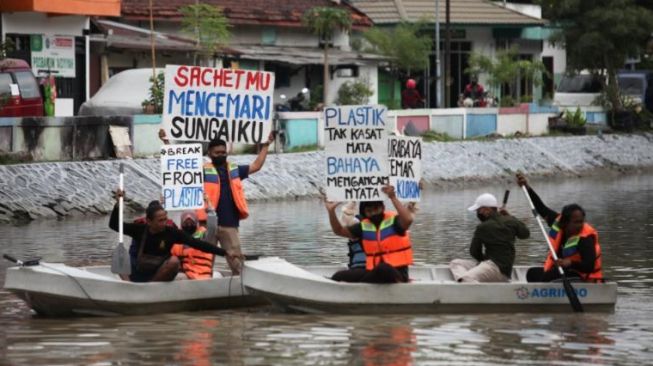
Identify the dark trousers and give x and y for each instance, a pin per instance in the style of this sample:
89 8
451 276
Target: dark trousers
382 273
537 274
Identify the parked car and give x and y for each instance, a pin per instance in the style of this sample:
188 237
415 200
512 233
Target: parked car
579 90
20 95
123 94
637 85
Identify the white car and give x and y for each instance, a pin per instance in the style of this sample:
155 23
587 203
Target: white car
122 95
578 90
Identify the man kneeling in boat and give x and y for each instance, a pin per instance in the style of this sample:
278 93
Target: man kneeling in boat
496 233
154 261
195 264
384 236
575 241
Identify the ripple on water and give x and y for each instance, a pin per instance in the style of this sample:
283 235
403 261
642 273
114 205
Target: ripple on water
299 231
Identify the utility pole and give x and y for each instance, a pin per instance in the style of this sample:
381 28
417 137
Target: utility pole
447 57
438 74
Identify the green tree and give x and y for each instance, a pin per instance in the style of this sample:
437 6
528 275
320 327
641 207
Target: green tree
506 68
324 22
406 50
354 93
207 25
600 34
402 44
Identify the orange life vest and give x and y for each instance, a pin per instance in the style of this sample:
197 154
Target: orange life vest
196 264
570 250
212 190
384 244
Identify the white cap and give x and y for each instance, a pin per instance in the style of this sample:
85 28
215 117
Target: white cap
484 200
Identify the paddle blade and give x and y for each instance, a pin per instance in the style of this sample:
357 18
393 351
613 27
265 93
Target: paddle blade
571 294
120 261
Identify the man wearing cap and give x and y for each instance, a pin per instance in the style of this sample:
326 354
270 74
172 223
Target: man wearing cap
496 234
195 264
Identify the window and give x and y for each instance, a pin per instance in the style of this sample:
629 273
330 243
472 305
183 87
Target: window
281 74
27 84
5 88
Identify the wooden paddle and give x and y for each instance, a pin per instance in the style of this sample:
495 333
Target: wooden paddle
120 261
569 290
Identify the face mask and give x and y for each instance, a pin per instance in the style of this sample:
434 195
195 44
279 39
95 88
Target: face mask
376 219
481 216
189 229
219 161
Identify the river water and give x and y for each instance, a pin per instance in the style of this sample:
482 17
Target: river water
619 207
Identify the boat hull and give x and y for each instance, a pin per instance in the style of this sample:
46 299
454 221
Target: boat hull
432 290
53 289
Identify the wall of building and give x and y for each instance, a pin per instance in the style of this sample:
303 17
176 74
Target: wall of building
40 23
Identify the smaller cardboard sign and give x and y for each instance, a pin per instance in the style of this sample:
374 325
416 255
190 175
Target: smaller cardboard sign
405 155
182 178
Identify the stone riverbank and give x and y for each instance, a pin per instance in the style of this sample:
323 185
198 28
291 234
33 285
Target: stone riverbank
57 189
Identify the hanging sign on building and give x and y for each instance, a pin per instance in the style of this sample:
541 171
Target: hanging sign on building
53 55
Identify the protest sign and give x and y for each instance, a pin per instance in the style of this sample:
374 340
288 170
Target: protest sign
356 159
405 155
203 103
182 178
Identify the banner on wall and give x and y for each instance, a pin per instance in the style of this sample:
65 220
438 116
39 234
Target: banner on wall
203 103
405 156
53 55
356 154
182 178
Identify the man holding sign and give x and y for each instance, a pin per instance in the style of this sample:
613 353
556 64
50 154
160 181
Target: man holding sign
384 236
223 187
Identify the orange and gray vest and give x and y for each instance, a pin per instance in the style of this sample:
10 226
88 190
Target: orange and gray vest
195 263
212 190
570 250
384 244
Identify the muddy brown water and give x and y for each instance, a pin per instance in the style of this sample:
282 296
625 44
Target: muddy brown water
621 208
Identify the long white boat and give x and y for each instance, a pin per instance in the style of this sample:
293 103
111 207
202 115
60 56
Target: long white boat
432 289
55 289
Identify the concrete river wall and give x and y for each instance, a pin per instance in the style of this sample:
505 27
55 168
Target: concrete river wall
56 189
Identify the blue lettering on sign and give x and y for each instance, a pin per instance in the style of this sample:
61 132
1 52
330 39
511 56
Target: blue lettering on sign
181 164
213 104
408 189
186 197
352 165
359 116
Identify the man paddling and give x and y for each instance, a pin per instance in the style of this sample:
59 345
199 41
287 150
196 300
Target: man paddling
493 244
155 238
575 242
384 236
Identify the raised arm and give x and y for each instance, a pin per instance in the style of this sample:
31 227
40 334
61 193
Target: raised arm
181 237
257 164
336 226
548 214
128 228
404 215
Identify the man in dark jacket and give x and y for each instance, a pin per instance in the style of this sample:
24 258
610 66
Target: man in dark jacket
496 234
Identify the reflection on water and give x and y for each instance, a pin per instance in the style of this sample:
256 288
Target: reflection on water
620 208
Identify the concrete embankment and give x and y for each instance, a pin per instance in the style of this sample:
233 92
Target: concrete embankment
55 189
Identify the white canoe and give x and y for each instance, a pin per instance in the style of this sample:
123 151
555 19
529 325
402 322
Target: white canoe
55 289
432 290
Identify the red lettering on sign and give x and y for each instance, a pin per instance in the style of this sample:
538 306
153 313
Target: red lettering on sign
181 79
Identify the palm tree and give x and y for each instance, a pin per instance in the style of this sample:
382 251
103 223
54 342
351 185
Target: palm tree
324 21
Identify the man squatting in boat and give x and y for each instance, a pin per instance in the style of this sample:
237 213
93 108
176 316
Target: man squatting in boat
154 261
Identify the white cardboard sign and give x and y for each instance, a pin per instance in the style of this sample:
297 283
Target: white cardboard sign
182 177
356 158
405 155
203 103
